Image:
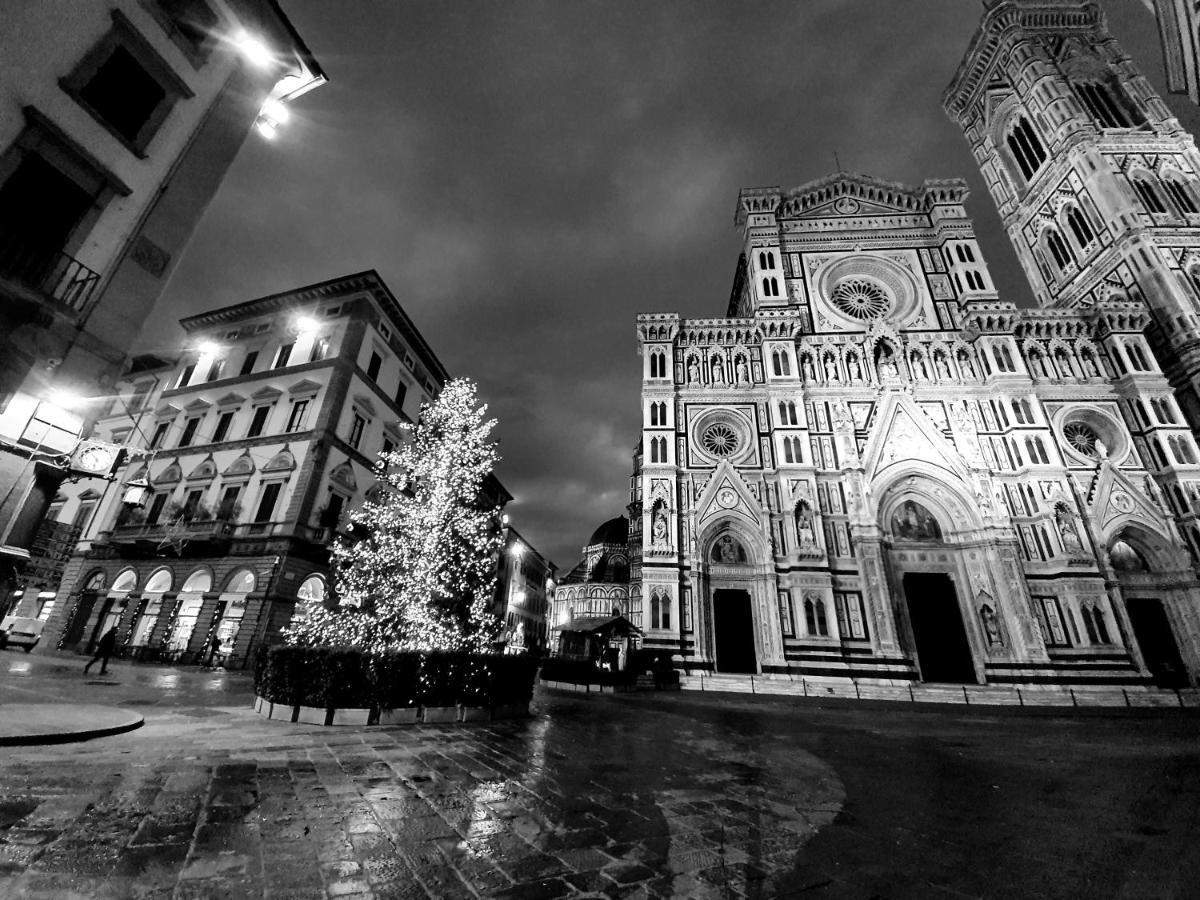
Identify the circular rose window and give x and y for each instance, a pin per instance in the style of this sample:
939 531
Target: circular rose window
1082 437
861 298
719 439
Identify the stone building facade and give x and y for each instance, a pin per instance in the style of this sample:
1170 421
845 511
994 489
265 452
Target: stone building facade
599 584
257 444
118 122
873 466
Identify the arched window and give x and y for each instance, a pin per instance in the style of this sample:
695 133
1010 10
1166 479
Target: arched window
1025 147
1057 248
814 617
127 580
655 615
1004 360
788 455
1180 194
241 582
664 607
1147 191
762 260
312 589
199 581
1078 223
1101 626
1102 105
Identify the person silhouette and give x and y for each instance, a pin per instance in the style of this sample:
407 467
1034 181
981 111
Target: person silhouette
104 650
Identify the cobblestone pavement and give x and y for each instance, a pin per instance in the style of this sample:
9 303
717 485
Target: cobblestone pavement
677 795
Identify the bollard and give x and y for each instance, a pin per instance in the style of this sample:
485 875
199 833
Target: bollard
1020 698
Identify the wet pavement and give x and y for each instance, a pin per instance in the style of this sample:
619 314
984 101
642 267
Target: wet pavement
664 795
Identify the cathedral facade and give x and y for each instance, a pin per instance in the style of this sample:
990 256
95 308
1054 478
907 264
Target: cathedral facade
874 466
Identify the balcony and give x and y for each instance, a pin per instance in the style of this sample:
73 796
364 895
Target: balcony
41 275
194 531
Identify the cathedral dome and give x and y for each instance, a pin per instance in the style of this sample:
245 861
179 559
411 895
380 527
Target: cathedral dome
614 531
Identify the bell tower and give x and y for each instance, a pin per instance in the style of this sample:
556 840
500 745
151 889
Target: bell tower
1096 182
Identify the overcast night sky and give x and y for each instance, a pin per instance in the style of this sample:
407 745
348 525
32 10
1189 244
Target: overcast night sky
528 176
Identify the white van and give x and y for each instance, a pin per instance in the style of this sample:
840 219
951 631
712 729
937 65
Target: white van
21 631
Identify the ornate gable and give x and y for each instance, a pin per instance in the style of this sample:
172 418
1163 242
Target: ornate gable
727 494
1115 500
242 466
902 432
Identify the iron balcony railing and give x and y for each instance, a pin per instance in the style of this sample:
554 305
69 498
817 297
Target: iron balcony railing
48 272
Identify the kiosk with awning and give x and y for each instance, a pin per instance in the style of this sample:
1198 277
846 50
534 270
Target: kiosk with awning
605 640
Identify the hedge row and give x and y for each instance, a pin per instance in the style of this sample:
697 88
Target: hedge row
347 678
583 671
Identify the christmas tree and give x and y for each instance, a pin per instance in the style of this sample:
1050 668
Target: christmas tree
421 576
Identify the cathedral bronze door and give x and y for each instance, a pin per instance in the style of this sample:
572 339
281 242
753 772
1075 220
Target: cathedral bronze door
943 653
1157 641
733 632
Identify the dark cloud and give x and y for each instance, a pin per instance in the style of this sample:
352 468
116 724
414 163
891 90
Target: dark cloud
528 176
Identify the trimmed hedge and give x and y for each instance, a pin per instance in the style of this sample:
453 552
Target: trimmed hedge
347 678
584 671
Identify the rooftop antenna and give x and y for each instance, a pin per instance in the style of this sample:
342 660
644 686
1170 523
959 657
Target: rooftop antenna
837 162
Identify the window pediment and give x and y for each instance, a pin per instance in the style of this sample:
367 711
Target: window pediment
365 405
307 387
242 466
198 405
344 475
172 474
266 394
231 400
283 461
207 470
167 411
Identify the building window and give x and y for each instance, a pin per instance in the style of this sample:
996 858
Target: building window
658 364
248 362
284 354
1057 248
259 421
785 615
189 431
126 85
228 507
814 617
215 370
1026 148
401 393
83 515
156 508
1147 191
1180 195
1079 226
1102 106
186 375
320 348
357 426
331 516
298 414
267 501
374 366
190 503
222 429
160 434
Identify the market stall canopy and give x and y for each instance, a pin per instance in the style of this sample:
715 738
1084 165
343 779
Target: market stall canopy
602 625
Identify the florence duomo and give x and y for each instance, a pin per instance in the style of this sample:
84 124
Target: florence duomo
876 467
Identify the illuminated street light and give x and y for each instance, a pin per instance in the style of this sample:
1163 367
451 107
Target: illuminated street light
64 398
516 550
254 49
306 325
208 348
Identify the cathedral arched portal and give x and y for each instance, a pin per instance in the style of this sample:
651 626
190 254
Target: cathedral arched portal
734 591
1152 577
945 607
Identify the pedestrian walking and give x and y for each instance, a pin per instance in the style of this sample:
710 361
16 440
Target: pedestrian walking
104 650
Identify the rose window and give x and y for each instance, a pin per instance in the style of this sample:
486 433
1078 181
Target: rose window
719 439
1082 437
861 298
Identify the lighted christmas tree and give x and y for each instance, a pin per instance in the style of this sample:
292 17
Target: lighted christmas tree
422 574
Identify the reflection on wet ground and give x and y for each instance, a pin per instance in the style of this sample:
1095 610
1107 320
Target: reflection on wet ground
649 796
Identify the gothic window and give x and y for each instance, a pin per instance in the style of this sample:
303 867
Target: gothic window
814 617
1102 105
1079 226
655 606
1137 357
785 615
1101 627
1180 194
658 364
1001 414
1025 147
974 280
1035 449
664 606
1147 192
1004 359
787 413
1057 248
766 260
770 287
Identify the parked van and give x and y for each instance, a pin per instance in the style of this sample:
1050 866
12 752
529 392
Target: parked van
21 631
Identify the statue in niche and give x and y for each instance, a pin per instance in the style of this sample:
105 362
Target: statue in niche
885 363
1065 369
1089 363
810 373
943 365
658 526
831 373
991 625
913 522
743 371
854 366
919 368
1065 521
693 370
727 551
718 370
964 363
1043 368
804 525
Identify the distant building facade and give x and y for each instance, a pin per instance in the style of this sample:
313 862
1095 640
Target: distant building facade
257 444
599 584
874 467
118 121
525 589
